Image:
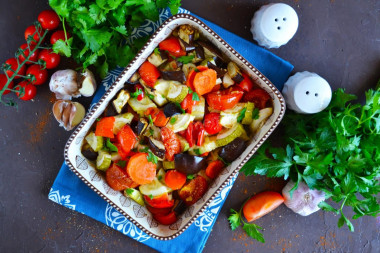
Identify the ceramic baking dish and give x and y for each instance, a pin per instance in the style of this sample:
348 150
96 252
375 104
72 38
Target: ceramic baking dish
137 214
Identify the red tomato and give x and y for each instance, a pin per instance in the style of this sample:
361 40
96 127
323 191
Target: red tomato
193 190
14 65
118 179
149 73
171 142
172 46
246 84
48 19
257 96
3 82
212 123
33 58
52 59
30 91
59 35
127 138
167 219
159 211
161 201
38 72
261 204
188 103
33 30
224 99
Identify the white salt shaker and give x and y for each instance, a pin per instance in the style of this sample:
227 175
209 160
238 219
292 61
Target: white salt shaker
273 25
307 93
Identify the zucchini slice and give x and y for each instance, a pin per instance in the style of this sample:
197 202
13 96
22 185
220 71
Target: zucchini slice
141 106
264 114
154 188
248 113
198 110
95 142
156 59
103 162
209 144
168 165
134 195
228 135
228 118
177 92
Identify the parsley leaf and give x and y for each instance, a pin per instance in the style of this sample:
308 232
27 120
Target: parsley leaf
173 120
63 47
234 219
152 158
197 151
136 93
241 115
185 59
180 107
150 119
255 113
190 177
151 131
129 191
195 96
251 229
121 163
109 146
150 196
156 51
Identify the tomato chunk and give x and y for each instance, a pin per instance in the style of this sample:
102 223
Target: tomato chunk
261 204
224 99
212 124
246 84
193 190
104 127
172 45
127 138
118 179
171 142
257 96
167 219
161 201
149 73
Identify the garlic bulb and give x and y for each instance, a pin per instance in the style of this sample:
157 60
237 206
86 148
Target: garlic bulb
68 114
304 200
64 83
69 83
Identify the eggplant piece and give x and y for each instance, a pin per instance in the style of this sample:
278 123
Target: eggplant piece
180 208
234 72
90 154
121 100
210 50
187 33
171 66
142 124
109 111
174 75
157 147
186 46
171 109
233 150
188 67
189 164
158 58
134 78
219 72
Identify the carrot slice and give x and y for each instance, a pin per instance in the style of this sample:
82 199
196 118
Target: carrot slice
214 169
175 179
204 81
190 77
140 169
127 138
104 127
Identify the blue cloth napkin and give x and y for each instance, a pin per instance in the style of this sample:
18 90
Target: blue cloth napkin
69 191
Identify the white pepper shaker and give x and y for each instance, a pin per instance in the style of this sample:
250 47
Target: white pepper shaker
307 93
273 25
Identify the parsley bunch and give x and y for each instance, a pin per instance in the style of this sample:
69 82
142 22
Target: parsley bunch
100 29
336 151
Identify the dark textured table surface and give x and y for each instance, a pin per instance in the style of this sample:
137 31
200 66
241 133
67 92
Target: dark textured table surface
338 39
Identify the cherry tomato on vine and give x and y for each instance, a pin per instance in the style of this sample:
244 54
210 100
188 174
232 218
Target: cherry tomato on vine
3 82
59 35
52 59
14 65
30 91
38 72
48 19
25 49
32 30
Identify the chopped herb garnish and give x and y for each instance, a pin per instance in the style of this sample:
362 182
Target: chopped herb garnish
255 113
179 106
129 191
150 196
195 97
109 146
152 158
150 96
151 131
121 163
196 70
136 93
197 151
144 150
156 51
173 120
185 59
159 177
150 119
190 177
241 115
225 163
98 119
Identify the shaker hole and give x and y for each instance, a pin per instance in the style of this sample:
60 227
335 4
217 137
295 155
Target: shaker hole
307 92
316 94
284 19
276 19
278 28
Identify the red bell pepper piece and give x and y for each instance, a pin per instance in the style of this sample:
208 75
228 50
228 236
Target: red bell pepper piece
104 127
149 73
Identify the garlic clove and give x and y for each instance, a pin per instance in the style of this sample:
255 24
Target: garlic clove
68 114
64 84
88 85
304 200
